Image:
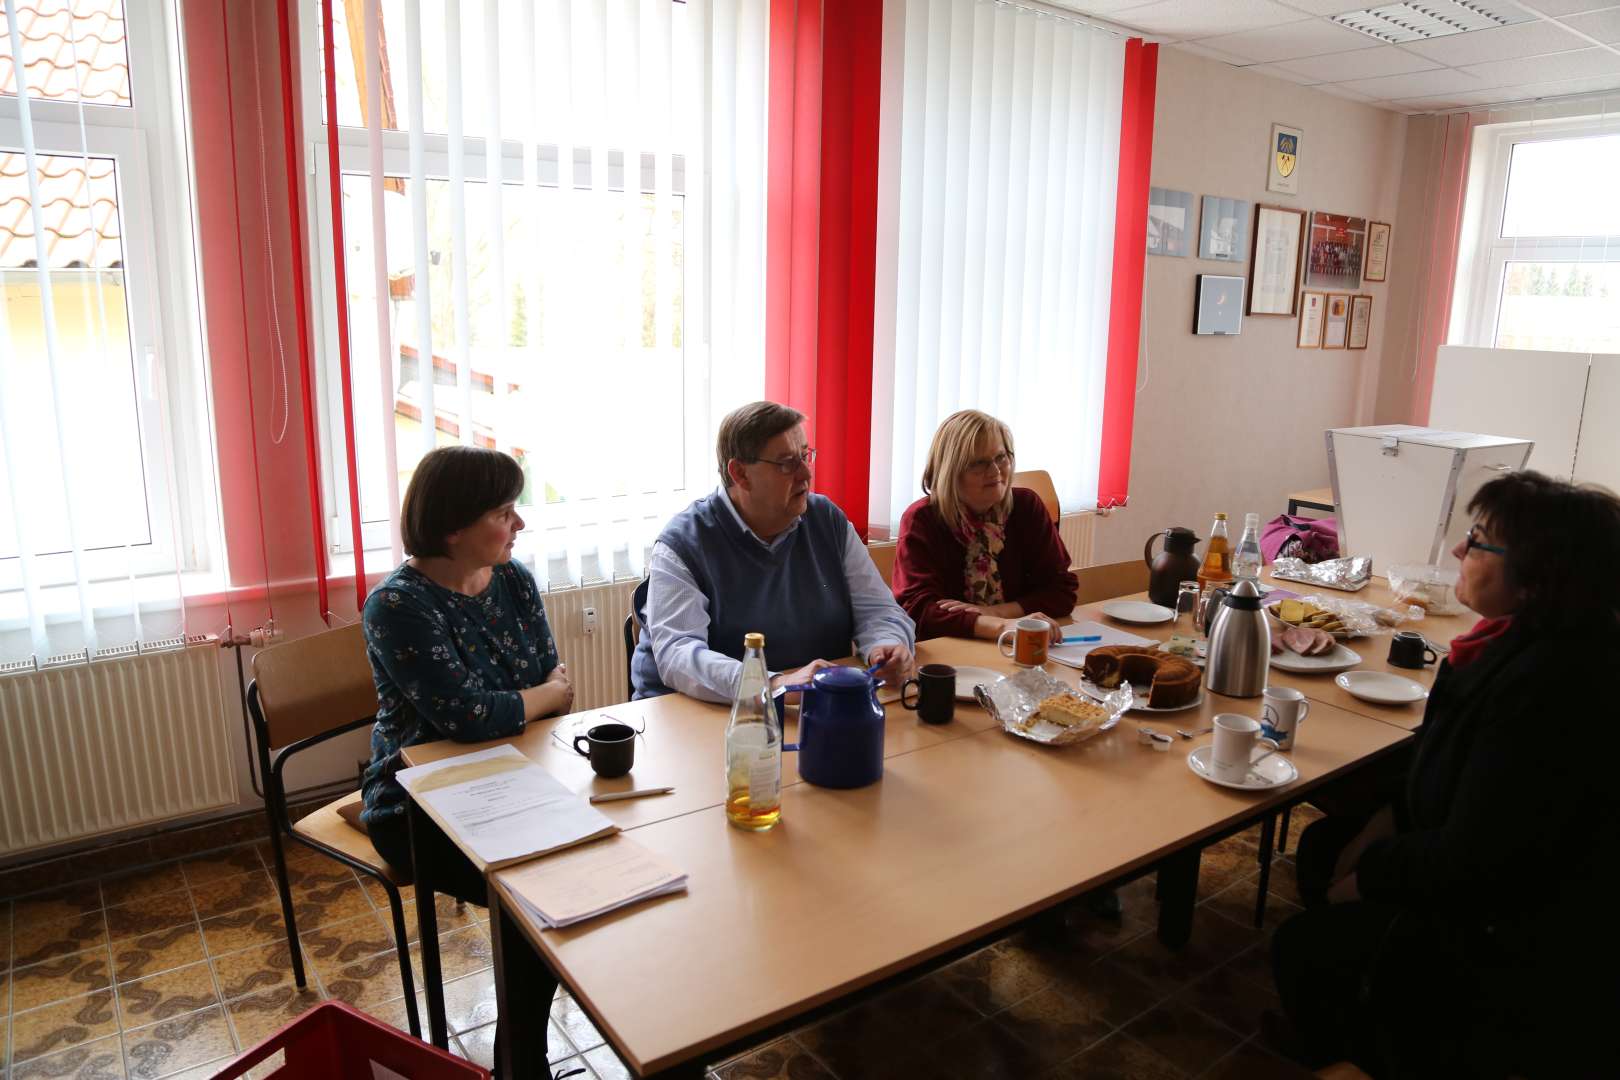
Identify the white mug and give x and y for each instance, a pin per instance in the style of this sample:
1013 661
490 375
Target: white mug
1233 754
1283 709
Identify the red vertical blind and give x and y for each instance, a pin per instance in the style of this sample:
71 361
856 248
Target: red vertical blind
1130 253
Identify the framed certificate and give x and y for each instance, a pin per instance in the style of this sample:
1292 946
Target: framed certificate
1312 308
1377 265
1337 323
1360 321
1274 269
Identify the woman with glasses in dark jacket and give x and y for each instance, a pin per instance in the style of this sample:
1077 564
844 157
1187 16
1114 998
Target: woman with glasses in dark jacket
1466 929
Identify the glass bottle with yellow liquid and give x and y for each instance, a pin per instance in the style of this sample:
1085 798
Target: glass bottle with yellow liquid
1217 568
753 746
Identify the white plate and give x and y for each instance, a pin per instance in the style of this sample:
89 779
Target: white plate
1381 687
1137 611
1273 771
1139 698
1340 659
969 677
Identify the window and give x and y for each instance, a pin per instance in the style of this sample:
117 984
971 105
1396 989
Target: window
102 444
1541 268
561 314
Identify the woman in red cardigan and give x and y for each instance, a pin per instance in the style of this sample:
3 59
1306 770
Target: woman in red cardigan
976 554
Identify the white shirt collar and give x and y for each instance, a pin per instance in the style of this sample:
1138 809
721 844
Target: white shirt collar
769 545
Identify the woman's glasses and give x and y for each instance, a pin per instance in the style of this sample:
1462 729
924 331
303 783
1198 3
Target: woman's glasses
1473 542
986 465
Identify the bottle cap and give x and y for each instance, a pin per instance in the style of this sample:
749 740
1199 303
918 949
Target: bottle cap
1251 521
1220 517
755 640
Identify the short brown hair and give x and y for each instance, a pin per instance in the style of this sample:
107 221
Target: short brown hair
451 488
745 431
955 443
1563 543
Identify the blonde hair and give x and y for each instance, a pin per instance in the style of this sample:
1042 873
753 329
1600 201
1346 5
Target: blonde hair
955 443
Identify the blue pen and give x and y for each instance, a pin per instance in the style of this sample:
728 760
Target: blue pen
1082 640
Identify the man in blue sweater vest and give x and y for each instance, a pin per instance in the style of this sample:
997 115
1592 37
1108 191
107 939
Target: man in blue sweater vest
762 553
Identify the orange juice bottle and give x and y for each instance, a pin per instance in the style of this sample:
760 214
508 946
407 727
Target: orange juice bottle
1217 566
753 746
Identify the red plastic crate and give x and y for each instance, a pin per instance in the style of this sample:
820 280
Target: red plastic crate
333 1041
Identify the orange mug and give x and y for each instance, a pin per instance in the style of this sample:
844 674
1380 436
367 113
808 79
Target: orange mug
1029 641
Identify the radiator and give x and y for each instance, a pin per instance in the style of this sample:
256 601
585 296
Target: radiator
93 748
1079 532
596 661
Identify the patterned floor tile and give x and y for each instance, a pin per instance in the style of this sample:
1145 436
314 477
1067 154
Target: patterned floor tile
100 1059
5 935
166 995
150 915
1236 902
251 926
66 1024
986 1051
224 895
379 895
1233 1001
450 916
607 1065
341 943
331 903
143 884
221 864
1253 966
180 1043
861 1043
37 942
478 1046
783 1059
252 970
994 978
55 905
1108 991
573 1023
1119 1057
464 952
1054 1025
1252 1062
61 978
394 1015
1215 939
258 1015
469 1002
152 953
370 982
1184 1036
311 879
206 1071
5 1020
1284 882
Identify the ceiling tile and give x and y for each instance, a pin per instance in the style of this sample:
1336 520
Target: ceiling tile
1603 25
1567 7
1099 7
1497 43
1575 64
1417 84
1592 84
1423 105
1329 7
1181 20
1276 72
1339 90
1361 64
1309 37
1199 49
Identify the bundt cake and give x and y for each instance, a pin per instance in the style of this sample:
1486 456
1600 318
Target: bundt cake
1171 681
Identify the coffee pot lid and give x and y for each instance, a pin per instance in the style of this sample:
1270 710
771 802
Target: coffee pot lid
1180 533
1245 596
842 679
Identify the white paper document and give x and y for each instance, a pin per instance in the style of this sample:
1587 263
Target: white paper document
1075 655
499 807
584 882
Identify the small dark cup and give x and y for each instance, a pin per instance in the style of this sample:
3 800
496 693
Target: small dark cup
936 693
612 749
1410 649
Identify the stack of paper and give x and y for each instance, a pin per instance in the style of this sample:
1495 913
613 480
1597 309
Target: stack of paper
588 881
1075 655
499 807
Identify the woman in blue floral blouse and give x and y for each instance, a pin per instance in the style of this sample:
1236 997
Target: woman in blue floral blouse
458 643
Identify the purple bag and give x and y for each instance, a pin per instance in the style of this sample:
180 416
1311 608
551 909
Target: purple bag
1310 540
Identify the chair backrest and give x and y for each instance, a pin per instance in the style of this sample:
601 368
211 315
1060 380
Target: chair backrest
314 684
882 553
1110 580
632 637
1040 482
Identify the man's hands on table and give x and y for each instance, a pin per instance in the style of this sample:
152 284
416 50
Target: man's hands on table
894 663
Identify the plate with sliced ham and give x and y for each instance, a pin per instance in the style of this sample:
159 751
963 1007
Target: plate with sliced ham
1300 648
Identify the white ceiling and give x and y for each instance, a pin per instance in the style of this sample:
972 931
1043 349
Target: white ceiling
1569 47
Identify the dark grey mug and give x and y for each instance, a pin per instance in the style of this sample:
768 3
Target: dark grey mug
1410 649
611 748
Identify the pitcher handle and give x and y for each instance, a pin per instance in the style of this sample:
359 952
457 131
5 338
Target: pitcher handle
1147 549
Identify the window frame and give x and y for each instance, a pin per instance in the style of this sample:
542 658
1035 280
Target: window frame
1482 263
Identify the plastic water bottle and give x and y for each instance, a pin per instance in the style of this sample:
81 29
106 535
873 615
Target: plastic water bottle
1247 559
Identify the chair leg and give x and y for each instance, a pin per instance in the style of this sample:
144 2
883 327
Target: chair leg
402 945
285 889
1268 832
1282 833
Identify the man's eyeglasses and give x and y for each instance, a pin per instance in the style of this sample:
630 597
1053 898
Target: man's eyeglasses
984 465
789 465
1473 542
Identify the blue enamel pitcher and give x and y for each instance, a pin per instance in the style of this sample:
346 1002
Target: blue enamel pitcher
840 728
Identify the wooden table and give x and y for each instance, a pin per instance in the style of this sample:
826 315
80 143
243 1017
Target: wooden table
969 831
1314 499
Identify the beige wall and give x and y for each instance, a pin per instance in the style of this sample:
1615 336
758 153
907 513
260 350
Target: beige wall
1235 423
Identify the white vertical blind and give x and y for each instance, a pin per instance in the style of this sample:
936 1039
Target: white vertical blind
999 151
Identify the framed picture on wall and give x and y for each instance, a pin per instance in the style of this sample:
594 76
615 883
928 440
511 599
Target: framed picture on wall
1360 321
1377 251
1337 323
1218 308
1334 250
1223 231
1312 308
1170 222
1283 160
1274 265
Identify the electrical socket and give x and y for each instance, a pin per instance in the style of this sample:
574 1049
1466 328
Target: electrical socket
589 616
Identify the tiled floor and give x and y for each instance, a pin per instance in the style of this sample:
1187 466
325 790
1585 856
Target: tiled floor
174 970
